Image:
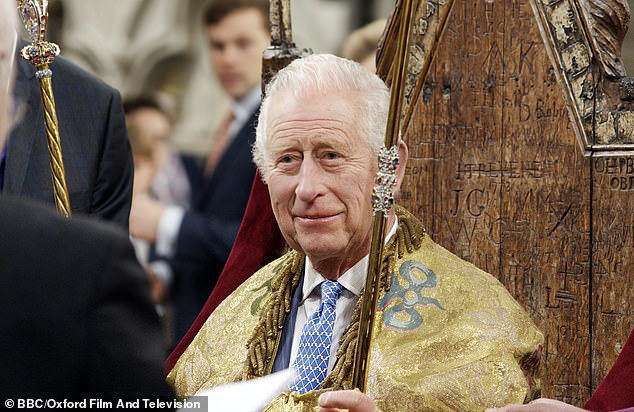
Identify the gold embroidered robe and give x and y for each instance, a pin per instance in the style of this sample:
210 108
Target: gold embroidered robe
447 336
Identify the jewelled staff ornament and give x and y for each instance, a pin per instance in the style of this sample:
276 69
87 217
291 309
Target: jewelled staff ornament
383 193
40 53
382 200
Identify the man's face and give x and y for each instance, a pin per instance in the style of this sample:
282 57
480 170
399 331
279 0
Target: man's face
158 128
236 44
321 176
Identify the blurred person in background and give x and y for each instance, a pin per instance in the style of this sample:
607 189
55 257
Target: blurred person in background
196 242
362 44
171 183
162 173
147 148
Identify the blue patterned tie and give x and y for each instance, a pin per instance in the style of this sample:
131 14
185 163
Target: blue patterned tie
314 345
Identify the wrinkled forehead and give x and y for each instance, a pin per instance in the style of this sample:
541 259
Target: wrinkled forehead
314 110
315 104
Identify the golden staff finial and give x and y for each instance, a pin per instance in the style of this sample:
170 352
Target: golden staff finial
282 50
280 17
382 201
40 53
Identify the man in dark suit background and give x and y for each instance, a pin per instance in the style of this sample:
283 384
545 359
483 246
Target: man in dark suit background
77 321
197 242
95 147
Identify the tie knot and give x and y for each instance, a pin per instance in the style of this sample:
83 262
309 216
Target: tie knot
330 291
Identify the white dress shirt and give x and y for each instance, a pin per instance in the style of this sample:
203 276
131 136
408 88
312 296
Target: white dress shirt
353 280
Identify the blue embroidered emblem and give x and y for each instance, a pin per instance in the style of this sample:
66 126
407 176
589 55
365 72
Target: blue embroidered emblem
401 301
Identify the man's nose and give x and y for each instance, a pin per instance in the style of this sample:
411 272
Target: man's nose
229 55
310 184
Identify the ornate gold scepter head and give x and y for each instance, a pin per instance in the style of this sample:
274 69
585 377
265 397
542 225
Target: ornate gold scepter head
382 201
40 53
282 50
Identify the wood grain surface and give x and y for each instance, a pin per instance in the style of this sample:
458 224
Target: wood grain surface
503 172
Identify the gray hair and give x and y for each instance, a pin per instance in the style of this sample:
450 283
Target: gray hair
326 74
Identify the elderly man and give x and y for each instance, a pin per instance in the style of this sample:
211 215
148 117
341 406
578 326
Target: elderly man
447 335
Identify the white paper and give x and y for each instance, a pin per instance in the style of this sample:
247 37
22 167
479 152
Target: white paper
247 396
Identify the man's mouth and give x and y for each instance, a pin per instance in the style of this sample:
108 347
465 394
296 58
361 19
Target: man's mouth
229 78
311 219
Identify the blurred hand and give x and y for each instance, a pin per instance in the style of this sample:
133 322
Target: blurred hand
144 174
539 405
353 401
157 287
145 215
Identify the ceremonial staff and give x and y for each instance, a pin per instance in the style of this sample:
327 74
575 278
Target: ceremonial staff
40 53
382 200
282 50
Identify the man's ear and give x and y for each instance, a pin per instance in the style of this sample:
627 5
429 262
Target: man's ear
403 152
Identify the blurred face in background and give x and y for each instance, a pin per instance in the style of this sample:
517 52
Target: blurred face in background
158 128
236 44
7 36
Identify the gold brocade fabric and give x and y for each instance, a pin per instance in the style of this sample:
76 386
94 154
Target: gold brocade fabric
447 335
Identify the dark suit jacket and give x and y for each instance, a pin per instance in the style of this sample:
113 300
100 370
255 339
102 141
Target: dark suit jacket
77 320
95 147
209 229
283 356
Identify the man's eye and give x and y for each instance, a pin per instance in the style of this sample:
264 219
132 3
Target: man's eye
331 156
285 159
243 44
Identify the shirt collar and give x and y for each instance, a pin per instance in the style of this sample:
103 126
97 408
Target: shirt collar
243 107
353 279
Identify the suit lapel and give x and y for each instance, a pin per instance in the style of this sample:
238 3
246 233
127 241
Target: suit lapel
22 138
241 140
283 355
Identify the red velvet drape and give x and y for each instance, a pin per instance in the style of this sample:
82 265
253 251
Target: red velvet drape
616 391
